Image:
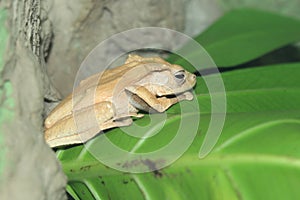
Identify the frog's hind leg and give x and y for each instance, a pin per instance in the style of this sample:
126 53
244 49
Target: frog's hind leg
80 126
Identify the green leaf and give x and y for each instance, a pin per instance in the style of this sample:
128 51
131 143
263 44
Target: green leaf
240 36
256 157
258 153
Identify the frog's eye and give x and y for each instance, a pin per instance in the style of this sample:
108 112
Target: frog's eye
180 76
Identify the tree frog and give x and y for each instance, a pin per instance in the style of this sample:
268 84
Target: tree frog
111 98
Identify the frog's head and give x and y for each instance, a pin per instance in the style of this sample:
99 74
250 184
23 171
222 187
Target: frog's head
162 78
171 79
179 80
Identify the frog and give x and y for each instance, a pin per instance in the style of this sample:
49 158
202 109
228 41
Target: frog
114 97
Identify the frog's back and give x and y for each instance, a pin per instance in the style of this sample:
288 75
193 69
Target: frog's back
84 95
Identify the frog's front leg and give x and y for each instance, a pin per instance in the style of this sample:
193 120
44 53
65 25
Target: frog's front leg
117 123
143 99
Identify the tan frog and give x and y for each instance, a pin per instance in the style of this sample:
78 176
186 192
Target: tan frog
109 99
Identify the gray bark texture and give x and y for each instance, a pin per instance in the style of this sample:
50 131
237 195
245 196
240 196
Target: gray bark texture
80 25
31 170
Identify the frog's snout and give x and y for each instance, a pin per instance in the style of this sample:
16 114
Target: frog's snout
192 79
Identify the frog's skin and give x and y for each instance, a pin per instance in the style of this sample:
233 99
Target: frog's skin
109 99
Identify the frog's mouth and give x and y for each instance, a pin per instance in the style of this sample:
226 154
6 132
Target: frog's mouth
174 92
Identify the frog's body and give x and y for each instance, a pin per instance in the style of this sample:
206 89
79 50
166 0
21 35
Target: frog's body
110 98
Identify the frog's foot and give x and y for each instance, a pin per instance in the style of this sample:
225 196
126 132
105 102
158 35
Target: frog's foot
185 96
